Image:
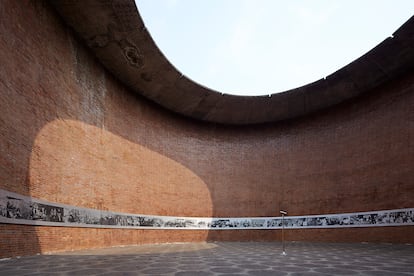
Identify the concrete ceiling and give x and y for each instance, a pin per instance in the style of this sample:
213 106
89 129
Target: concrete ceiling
116 33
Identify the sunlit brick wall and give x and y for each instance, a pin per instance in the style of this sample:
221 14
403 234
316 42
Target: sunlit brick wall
71 133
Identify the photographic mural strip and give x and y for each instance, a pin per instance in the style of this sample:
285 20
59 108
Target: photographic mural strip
19 209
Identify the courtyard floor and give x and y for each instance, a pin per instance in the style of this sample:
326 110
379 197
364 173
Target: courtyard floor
222 258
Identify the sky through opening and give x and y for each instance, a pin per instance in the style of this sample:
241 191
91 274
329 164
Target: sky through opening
259 47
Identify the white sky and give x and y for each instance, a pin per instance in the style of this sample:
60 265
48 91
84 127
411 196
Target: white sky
258 47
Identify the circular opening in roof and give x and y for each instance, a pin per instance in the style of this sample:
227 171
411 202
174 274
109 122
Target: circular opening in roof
263 47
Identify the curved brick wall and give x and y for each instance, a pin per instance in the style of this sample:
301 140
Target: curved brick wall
71 133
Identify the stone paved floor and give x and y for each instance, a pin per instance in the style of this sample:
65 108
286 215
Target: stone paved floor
222 258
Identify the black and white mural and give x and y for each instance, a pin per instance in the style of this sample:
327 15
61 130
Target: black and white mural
18 209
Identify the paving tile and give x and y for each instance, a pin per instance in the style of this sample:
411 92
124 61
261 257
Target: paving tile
267 273
223 258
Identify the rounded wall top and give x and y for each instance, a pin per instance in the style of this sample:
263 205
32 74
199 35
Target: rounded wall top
117 35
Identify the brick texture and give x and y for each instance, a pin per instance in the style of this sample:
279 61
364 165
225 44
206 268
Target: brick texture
71 133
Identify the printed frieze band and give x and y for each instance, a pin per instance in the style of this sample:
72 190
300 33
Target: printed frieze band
19 209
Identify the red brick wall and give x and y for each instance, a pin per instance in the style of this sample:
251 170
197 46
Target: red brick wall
70 133
388 234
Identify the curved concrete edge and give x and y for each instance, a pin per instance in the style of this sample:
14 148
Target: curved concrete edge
116 33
